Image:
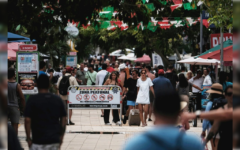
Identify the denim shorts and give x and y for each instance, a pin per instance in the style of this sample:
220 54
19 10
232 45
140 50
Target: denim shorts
131 103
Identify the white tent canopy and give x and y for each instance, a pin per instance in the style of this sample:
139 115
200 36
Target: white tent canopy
174 56
199 61
119 52
130 56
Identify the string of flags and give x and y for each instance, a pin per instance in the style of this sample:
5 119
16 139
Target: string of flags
108 13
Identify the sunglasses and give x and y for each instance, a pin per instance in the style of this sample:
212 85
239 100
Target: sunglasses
229 94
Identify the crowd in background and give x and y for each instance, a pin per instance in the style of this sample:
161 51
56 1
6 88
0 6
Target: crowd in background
143 87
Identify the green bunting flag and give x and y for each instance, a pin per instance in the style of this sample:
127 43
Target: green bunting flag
151 27
163 2
187 6
150 6
106 15
105 24
108 9
144 1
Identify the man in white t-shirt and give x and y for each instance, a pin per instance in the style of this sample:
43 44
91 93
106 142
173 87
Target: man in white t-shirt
100 80
198 81
207 79
101 75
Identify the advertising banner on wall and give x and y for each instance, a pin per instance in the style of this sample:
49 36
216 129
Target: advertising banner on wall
27 71
71 61
94 97
215 38
28 62
27 82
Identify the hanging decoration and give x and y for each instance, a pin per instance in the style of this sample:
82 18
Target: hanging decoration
173 7
151 27
150 6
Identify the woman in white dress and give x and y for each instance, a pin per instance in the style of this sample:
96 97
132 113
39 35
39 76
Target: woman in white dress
143 85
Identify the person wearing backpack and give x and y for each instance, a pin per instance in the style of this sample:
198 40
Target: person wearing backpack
63 84
216 97
224 128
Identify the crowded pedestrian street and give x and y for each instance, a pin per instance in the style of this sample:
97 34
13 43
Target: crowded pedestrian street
120 75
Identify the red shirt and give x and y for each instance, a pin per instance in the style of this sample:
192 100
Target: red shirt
110 69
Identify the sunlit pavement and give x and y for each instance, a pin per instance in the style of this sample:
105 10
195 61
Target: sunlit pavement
90 133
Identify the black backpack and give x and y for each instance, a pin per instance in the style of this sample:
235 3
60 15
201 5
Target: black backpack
64 85
218 103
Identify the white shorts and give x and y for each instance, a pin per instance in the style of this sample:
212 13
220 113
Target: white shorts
45 146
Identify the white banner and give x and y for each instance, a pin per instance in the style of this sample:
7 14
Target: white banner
107 97
157 60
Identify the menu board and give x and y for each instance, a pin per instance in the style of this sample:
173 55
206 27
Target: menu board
28 62
71 61
28 83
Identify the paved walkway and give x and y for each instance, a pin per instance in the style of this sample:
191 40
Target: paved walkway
90 133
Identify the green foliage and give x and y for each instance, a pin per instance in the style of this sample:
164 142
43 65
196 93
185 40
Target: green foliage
221 12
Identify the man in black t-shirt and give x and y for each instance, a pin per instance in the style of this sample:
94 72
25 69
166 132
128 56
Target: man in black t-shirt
171 76
45 117
131 94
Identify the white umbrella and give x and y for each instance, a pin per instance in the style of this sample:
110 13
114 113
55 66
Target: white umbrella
199 61
118 52
130 56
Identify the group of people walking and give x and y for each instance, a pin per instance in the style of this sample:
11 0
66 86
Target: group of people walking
159 93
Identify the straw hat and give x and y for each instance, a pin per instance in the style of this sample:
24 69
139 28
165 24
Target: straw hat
216 88
183 105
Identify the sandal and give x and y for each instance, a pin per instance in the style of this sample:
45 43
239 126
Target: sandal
102 115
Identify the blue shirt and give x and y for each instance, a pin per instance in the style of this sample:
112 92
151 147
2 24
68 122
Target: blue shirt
161 85
168 135
226 84
42 72
206 123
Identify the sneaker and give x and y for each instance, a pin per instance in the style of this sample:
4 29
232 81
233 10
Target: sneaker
108 124
71 123
118 123
149 119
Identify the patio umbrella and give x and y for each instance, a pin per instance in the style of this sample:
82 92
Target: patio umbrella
130 56
227 54
144 59
120 52
18 38
14 45
199 61
215 50
11 55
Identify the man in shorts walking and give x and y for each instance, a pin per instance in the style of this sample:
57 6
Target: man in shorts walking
14 91
131 94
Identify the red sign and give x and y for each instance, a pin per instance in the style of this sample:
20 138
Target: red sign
215 38
110 97
86 97
79 97
27 47
102 97
73 53
94 97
